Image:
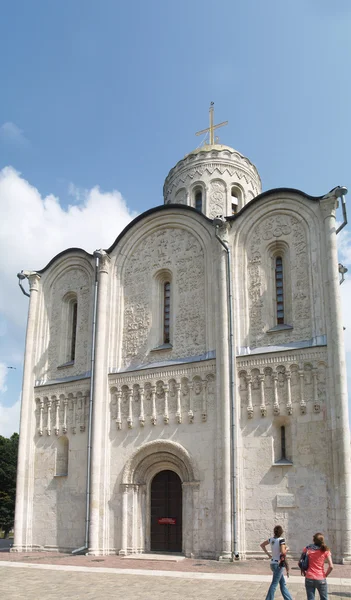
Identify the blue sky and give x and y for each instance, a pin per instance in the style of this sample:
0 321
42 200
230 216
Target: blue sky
100 99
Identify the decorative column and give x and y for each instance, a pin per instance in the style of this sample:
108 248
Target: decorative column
123 550
99 398
26 429
263 407
118 416
249 407
316 403
204 400
41 410
130 409
153 404
179 407
48 424
276 408
82 400
57 416
303 405
166 413
288 385
142 413
74 415
64 427
338 418
191 411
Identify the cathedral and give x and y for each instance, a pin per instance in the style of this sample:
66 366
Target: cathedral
185 389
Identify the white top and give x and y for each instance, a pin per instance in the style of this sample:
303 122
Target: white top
275 548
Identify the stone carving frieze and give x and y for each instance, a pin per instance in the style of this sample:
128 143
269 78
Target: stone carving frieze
284 384
62 409
184 395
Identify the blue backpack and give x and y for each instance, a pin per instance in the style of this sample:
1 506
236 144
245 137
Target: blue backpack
303 562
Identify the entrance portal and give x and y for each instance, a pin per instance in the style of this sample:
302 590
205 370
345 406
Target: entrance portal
166 512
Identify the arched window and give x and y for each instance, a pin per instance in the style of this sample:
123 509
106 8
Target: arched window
61 466
236 197
198 200
68 331
166 311
162 311
74 313
283 443
279 289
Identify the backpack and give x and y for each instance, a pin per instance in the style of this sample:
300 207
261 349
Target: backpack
303 562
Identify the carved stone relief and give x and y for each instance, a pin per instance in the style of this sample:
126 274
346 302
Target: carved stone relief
72 280
180 252
290 230
217 198
180 197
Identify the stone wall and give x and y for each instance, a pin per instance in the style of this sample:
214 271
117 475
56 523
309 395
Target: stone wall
59 493
285 390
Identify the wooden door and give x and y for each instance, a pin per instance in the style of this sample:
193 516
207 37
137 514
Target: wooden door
166 512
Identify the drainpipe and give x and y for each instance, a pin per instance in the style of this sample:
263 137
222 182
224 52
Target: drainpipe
220 222
341 192
91 401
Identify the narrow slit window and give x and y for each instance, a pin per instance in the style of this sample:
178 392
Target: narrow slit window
166 312
74 330
62 449
283 442
198 200
236 196
279 288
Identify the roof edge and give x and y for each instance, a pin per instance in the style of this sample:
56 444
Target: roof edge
181 207
282 190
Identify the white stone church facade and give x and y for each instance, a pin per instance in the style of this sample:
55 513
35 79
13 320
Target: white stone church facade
185 390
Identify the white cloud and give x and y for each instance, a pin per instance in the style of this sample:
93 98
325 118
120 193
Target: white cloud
3 375
33 229
9 419
11 133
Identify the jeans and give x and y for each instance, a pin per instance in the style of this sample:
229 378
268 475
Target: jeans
278 577
316 584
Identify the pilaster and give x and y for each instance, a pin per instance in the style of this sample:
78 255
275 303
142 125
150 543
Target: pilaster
22 525
338 399
223 396
99 401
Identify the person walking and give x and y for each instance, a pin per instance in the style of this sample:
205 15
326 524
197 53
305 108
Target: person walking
315 576
278 548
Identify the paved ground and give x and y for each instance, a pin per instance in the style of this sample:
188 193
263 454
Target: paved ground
32 580
252 567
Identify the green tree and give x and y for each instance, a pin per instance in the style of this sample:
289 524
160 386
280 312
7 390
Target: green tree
8 469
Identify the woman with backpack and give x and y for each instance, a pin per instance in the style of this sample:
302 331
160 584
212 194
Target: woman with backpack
317 554
277 556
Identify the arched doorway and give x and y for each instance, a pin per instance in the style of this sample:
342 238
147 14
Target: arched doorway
166 512
143 466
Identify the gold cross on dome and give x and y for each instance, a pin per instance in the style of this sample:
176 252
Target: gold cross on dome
212 127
